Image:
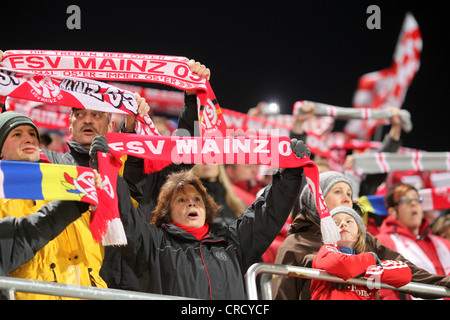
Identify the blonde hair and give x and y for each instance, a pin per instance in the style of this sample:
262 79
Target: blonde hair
360 245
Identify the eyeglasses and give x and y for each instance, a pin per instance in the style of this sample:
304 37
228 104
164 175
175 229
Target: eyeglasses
409 201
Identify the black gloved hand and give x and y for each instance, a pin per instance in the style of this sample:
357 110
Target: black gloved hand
98 144
378 261
299 148
340 285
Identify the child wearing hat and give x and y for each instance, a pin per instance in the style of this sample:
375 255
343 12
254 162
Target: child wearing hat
347 259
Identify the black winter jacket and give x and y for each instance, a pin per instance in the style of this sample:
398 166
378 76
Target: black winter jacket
115 271
212 268
21 238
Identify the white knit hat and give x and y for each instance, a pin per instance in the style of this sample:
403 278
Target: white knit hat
352 213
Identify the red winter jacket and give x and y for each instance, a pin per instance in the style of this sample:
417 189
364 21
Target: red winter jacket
345 266
391 226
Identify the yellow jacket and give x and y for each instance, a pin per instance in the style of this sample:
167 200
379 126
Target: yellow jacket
72 258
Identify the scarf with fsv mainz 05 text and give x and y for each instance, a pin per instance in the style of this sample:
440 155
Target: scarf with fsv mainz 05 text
169 70
270 150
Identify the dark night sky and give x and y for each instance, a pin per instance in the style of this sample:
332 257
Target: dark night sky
273 51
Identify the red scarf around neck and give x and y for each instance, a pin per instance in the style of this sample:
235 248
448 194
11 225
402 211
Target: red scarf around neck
198 233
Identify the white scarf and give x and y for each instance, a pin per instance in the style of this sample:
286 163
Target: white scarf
414 253
388 162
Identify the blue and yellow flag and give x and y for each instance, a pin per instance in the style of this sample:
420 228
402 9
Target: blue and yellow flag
44 181
374 204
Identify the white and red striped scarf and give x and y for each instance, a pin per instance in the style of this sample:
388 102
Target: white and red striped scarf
385 162
414 253
411 251
271 151
69 92
435 198
111 66
342 113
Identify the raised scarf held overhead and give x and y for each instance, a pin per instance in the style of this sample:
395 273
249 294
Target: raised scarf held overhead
272 151
112 66
69 92
385 162
342 113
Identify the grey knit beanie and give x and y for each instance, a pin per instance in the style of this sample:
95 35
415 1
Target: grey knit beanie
352 213
10 120
326 180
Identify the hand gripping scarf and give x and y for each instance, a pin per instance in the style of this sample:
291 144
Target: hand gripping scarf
385 162
341 113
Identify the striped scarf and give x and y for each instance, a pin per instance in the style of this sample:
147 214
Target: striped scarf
111 66
385 162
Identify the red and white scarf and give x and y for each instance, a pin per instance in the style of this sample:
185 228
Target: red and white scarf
112 66
341 113
385 162
272 151
66 91
414 253
411 251
435 198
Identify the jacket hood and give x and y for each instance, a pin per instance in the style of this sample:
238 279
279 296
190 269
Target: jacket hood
391 225
304 223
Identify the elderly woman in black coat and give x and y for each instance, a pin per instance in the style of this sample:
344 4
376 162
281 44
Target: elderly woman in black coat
183 253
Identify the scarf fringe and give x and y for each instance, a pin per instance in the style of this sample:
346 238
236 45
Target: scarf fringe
330 234
115 234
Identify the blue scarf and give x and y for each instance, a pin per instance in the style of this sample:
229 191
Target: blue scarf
347 250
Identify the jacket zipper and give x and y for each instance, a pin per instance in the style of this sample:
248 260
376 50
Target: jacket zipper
204 264
91 278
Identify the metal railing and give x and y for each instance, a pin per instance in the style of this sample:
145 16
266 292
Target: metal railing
267 269
11 285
